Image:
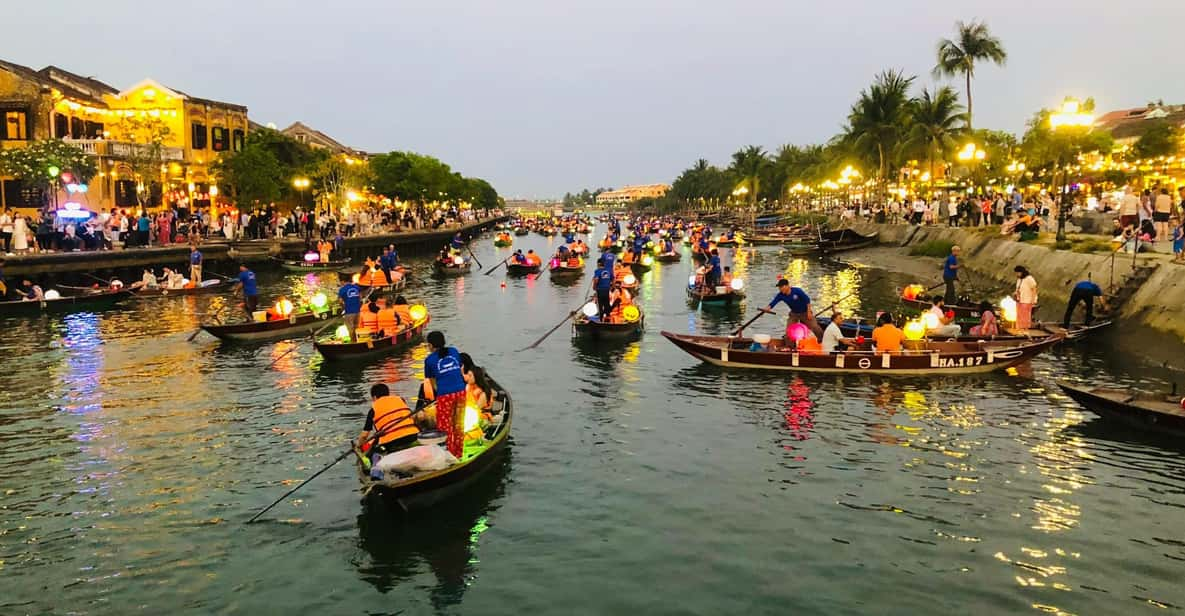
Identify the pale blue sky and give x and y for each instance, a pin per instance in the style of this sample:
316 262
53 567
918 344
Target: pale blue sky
545 96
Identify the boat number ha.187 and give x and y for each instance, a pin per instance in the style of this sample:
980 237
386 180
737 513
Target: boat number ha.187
960 362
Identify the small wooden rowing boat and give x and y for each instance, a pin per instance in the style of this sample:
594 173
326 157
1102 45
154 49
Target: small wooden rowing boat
452 268
521 231
210 286
74 302
332 349
1076 331
300 265
562 271
918 358
1156 412
592 329
522 269
832 242
723 296
669 257
640 267
297 324
426 489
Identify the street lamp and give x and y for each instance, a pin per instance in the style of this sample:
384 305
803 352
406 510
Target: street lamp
301 184
1071 117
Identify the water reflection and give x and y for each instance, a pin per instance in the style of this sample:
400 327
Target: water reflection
444 540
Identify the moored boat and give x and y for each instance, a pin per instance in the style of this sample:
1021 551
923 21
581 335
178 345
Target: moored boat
918 358
832 242
295 325
91 300
426 489
333 349
1156 412
521 231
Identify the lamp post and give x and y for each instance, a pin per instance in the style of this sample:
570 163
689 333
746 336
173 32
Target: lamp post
971 154
301 184
1071 117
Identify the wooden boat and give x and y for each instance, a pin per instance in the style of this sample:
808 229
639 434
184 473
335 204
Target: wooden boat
561 271
334 350
1156 412
640 267
212 286
394 287
669 257
919 358
730 296
300 265
424 490
520 269
298 324
521 231
74 302
583 327
503 240
961 312
441 268
832 242
1076 331
724 242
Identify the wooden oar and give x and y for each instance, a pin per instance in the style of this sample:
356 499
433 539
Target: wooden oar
760 313
539 274
489 271
217 274
475 260
313 336
106 282
557 326
301 485
199 330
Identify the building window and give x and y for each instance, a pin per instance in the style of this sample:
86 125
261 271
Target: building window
199 136
219 139
61 125
94 130
16 126
236 141
125 193
77 128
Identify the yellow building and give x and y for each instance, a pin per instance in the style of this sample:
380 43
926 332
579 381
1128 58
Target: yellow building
114 127
628 194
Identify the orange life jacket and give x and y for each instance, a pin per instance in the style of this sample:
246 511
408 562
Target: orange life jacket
368 321
404 312
573 261
474 393
387 321
393 419
810 345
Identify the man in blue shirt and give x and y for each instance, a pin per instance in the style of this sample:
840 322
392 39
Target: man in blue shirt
602 284
387 262
1084 292
950 273
250 290
608 257
457 242
712 277
800 307
195 265
351 297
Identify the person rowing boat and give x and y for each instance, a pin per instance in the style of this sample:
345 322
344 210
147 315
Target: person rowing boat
800 306
246 282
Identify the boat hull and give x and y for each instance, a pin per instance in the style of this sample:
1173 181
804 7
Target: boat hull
449 271
305 266
591 330
516 269
1113 405
958 358
671 257
337 351
69 303
731 298
292 327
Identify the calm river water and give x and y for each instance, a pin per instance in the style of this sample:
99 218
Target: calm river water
638 481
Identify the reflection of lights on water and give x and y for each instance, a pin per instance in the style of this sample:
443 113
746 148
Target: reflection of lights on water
798 410
632 352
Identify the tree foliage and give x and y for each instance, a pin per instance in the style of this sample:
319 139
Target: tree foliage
1160 138
937 122
973 43
880 119
32 163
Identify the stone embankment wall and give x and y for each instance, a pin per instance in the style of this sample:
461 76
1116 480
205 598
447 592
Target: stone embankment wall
1158 303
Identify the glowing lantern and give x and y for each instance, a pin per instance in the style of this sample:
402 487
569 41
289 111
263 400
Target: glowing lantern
458 261
356 278
418 312
629 280
913 291
472 416
311 257
53 294
1008 307
691 280
737 284
630 313
342 332
284 307
915 330
798 331
319 300
647 260
930 321
590 309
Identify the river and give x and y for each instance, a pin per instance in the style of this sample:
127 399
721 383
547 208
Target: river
637 481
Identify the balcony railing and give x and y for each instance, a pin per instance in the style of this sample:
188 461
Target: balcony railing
122 149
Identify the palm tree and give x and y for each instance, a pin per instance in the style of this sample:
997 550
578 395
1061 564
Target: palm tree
973 43
937 119
748 164
879 119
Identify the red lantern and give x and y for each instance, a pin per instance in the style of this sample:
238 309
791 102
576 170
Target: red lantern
950 314
860 339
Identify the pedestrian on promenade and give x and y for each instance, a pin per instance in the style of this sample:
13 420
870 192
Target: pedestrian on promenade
6 225
1178 240
1025 296
143 227
1162 210
950 273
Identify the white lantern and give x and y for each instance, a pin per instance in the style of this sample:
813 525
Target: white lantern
629 280
737 284
691 280
53 294
591 309
458 261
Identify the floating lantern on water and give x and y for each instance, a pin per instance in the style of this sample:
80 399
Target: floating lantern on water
590 309
737 284
915 330
418 312
1008 308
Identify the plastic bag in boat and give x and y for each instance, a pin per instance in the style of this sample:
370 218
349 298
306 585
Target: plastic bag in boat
422 458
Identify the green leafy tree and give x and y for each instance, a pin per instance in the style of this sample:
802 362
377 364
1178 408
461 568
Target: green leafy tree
252 174
937 121
1043 147
31 164
702 183
879 120
973 43
748 166
1159 139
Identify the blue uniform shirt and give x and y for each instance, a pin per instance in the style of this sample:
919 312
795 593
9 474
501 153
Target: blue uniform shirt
351 297
457 243
195 257
609 259
248 280
603 278
1087 285
714 261
446 370
797 300
948 270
